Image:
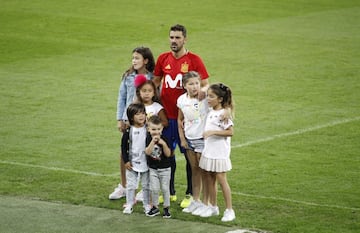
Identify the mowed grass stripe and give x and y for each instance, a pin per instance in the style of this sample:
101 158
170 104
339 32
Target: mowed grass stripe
297 132
18 215
233 193
270 138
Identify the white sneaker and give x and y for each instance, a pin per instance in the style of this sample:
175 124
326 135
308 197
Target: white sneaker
128 210
118 193
200 209
229 215
139 196
147 208
210 211
193 206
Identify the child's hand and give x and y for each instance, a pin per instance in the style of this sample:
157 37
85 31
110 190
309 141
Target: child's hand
201 95
184 144
120 126
128 166
123 125
202 92
207 134
156 139
161 142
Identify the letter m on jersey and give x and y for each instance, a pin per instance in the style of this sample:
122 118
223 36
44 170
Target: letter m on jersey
170 83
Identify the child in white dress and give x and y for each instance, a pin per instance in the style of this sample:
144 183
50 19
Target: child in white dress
215 159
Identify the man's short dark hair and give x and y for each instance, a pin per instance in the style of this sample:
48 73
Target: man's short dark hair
180 28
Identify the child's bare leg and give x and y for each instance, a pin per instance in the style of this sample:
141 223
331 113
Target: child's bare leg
206 184
212 189
221 177
196 178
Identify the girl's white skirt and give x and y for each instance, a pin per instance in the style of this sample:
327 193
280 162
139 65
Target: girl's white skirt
215 165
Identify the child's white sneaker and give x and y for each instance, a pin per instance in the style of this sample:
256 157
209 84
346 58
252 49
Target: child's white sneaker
198 211
128 210
147 208
210 211
193 206
118 193
229 215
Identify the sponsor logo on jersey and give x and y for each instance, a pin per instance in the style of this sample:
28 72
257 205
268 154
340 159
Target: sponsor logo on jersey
176 83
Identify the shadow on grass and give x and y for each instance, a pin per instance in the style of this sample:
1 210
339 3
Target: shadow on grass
23 215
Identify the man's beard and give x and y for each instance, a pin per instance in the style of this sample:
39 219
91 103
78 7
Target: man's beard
175 48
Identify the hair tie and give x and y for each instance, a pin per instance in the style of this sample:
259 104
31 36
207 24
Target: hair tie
139 80
223 87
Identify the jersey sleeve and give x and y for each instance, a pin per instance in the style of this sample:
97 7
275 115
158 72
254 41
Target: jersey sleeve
158 66
200 67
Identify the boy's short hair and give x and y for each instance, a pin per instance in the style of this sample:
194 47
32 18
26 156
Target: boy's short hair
154 119
133 109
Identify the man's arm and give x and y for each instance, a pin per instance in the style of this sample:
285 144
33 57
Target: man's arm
204 87
157 81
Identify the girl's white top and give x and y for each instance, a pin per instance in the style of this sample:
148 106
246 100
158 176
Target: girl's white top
153 109
217 147
194 112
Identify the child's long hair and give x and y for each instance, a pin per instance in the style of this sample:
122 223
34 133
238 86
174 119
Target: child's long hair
155 98
147 54
224 92
133 109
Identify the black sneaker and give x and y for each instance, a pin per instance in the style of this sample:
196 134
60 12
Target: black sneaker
166 213
153 212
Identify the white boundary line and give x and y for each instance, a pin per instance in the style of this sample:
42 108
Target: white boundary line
297 132
56 169
236 193
296 201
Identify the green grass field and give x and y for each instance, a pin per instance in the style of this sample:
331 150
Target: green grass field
294 70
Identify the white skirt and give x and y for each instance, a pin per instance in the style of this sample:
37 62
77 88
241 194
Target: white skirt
215 165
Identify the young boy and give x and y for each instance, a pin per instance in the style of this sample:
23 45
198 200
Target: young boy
133 153
158 153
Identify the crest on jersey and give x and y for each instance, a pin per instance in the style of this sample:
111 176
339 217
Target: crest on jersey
184 67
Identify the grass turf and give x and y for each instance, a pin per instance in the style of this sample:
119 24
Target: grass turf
292 65
38 216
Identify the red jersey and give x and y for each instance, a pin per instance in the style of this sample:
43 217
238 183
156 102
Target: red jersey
171 70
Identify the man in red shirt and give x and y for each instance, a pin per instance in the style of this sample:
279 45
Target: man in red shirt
169 69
